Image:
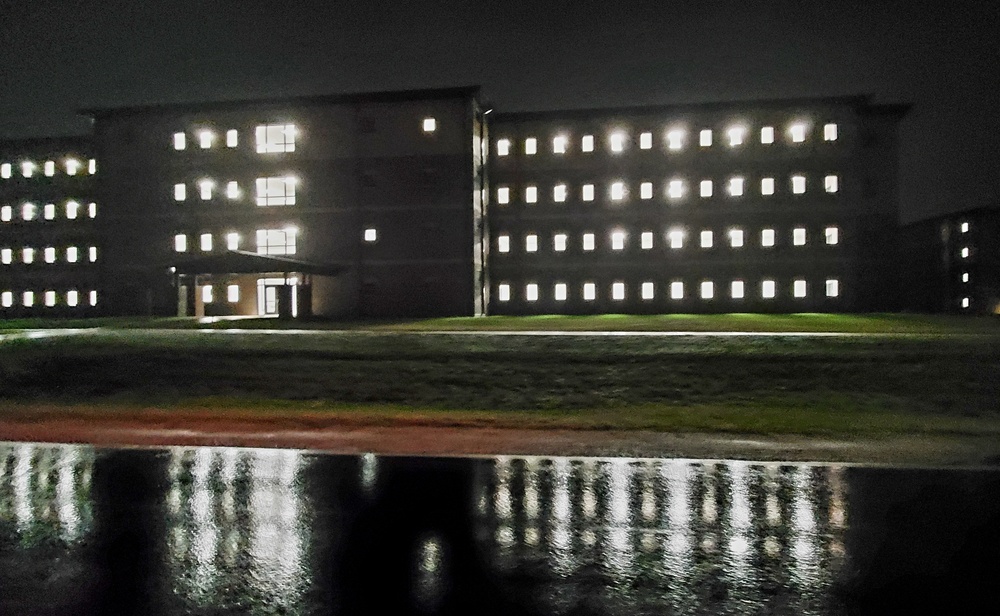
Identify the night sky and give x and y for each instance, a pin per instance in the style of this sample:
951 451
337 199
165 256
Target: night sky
61 55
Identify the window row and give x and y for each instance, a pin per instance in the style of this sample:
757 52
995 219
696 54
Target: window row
50 254
269 137
674 189
71 298
269 191
674 238
30 211
49 168
675 290
675 138
268 241
232 293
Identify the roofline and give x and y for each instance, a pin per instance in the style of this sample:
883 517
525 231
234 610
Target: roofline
388 96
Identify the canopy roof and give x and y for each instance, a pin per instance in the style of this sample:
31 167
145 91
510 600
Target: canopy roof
243 262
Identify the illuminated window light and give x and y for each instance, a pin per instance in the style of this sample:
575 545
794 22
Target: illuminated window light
276 191
675 139
232 241
676 290
503 195
92 166
646 240
965 227
5 171
797 132
705 138
559 144
966 302
206 294
29 211
799 236
588 192
72 166
646 141
180 243
618 240
618 291
767 135
559 291
530 146
180 192
92 254
232 190
429 125
49 211
767 238
531 243
503 147
205 189
559 192
736 238
767 289
559 242
966 252
93 298
232 138
647 290
50 298
273 138
371 235
617 191
798 184
832 235
965 276
829 132
92 210
28 299
736 290
617 141
531 194
49 255
646 190
832 287
799 288
736 135
49 168
233 293
72 210
6 213
588 241
675 189
28 255
277 241
707 290
28 169
7 299
180 141
72 254
503 243
706 188
706 239
72 298
503 292
676 238
531 292
589 291
205 139
6 256
587 143
830 184
767 186
736 187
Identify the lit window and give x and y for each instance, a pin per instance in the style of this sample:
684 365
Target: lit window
72 254
503 147
503 292
50 298
7 299
832 287
735 187
180 243
28 255
233 293
50 168
559 242
530 145
646 240
559 292
588 192
767 135
646 190
232 190
49 211
205 139
767 289
645 141
618 291
50 255
180 141
92 254
767 186
589 291
206 294
371 235
966 302
27 169
587 143
72 298
559 144
559 193
180 192
429 125
767 238
677 290
965 227
617 191
830 132
6 213
92 210
29 211
618 240
531 194
799 288
232 138
830 183
966 252
647 290
503 243
707 290
736 134
276 241
706 239
799 236
736 289
675 189
588 241
28 298
503 195
6 256
675 139
706 188
736 238
617 140
965 276
72 209
798 184
232 241
531 243
275 138
93 298
5 171
676 238
92 166
832 235
705 138
531 292
797 132
276 191
72 166
205 189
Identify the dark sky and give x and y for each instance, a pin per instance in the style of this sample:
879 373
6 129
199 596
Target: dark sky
60 55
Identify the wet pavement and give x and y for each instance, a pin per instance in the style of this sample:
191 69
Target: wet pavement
203 530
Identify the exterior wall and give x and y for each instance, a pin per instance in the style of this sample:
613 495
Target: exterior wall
864 208
56 224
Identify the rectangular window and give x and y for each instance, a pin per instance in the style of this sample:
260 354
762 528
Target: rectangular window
6 256
588 192
5 171
29 211
530 146
799 288
675 189
531 292
676 290
93 298
965 276
736 289
92 253
72 298
503 292
736 134
28 255
618 240
798 184
706 239
503 243
589 291
830 183
232 190
50 255
180 141
180 243
276 241
767 238
767 289
50 298
966 302
767 135
92 210
618 291
707 290
180 192
797 132
706 188
503 195
588 241
28 298
617 140
676 238
675 139
965 227
232 241
206 242
767 186
559 144
646 240
799 236
275 138
736 238
830 132
587 143
276 191
705 138
27 169
92 166
72 166
7 299
233 293
559 242
72 254
559 193
531 243
832 235
647 290
49 211
232 138
735 187
205 139
645 141
832 287
6 213
559 292
205 189
206 294
50 168
429 125
646 190
617 191
531 194
503 147
965 252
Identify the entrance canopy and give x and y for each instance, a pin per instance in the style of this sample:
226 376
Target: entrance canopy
243 262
